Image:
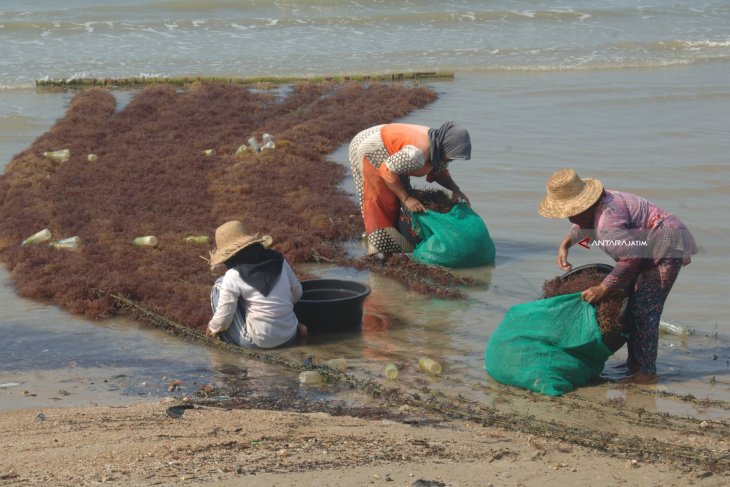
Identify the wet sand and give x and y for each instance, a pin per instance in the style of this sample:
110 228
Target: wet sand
142 445
401 433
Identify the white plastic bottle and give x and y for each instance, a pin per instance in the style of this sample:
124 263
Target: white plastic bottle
37 237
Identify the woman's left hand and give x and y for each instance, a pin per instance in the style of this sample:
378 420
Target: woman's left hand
594 294
458 196
211 333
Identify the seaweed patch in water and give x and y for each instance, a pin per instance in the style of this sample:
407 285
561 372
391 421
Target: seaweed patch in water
150 178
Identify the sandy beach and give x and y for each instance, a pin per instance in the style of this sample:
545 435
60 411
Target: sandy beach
142 445
191 439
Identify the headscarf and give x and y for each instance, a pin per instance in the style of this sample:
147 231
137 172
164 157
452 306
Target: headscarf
258 266
449 141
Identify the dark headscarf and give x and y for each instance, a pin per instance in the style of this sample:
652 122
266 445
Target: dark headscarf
449 141
258 266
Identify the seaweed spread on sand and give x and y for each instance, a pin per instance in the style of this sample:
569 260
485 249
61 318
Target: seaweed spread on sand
153 175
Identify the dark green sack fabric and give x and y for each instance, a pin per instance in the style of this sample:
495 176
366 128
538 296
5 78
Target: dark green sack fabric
455 239
550 346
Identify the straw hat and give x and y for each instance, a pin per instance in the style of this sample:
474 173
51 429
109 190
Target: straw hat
568 194
232 237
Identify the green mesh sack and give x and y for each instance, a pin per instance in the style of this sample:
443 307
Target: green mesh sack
458 238
550 346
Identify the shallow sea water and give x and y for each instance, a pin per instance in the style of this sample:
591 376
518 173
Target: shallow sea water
637 97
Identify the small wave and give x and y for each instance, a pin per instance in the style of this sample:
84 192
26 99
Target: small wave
16 86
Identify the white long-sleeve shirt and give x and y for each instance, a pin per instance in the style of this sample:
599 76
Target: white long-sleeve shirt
270 320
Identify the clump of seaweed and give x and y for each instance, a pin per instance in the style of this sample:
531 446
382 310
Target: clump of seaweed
150 178
424 279
608 310
433 199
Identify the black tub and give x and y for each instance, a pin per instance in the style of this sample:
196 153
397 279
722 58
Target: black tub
331 305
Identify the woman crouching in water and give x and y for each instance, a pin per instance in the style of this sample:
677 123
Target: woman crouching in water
253 302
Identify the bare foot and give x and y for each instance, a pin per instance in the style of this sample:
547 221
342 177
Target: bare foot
641 379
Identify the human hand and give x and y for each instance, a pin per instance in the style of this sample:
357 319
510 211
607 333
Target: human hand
211 333
562 259
459 197
594 294
413 205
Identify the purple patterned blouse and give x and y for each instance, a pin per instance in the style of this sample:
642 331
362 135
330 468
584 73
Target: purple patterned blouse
636 234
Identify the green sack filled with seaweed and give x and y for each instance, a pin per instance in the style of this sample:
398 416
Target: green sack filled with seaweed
458 238
550 346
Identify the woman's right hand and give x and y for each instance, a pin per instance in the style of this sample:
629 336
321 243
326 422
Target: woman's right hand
562 258
413 205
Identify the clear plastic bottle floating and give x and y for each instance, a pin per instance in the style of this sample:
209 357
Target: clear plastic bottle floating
66 243
92 158
390 371
209 152
62 155
268 142
197 239
430 366
674 329
310 377
37 237
148 241
337 364
254 144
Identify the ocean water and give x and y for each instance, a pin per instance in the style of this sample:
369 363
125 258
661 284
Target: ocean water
636 96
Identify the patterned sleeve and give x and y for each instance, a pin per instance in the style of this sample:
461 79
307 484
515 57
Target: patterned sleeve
615 226
405 161
576 234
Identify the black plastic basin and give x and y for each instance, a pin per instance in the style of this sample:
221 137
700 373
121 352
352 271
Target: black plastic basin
601 268
331 305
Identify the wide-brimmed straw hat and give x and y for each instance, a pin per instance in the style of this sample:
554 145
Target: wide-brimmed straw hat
232 237
568 194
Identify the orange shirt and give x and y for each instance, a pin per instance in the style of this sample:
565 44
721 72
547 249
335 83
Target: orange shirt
409 149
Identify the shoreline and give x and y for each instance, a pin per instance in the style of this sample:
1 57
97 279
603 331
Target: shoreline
141 444
403 437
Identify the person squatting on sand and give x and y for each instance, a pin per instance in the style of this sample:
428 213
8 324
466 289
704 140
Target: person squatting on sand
649 245
384 157
253 302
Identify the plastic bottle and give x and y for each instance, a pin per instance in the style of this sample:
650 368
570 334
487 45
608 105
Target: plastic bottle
337 364
241 151
37 237
268 142
254 144
209 152
66 243
92 158
310 377
148 241
674 329
430 366
62 155
197 239
391 371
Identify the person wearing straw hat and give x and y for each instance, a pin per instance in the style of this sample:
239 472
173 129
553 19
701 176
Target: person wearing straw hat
383 158
253 302
649 245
